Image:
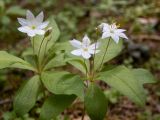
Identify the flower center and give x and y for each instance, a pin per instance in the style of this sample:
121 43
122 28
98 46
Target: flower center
33 27
85 49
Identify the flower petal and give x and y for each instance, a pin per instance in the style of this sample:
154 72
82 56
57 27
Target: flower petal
40 17
24 29
39 31
102 25
94 46
86 41
77 52
106 35
43 25
120 30
115 38
106 28
31 33
93 51
76 43
22 21
29 15
122 35
86 55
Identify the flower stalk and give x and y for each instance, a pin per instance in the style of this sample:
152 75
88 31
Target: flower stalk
100 67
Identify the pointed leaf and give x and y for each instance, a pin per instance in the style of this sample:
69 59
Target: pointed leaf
63 83
16 10
26 96
143 76
79 64
56 61
123 80
95 103
8 60
54 105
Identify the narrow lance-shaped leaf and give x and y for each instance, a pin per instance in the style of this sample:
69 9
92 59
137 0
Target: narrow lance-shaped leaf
54 105
26 96
123 80
95 103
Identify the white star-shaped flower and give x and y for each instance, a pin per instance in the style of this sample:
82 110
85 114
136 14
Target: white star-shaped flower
33 25
84 48
112 31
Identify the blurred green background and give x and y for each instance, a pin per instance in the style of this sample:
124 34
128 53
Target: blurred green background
141 19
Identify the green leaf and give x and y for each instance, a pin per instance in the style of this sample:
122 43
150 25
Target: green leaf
5 20
56 61
66 46
123 80
2 6
143 76
95 103
26 96
54 105
79 64
112 51
9 115
30 57
8 60
63 83
16 10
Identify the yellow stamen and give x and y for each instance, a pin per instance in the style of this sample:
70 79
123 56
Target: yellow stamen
118 25
85 49
33 27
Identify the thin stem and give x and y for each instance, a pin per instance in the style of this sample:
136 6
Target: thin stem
40 47
94 53
34 54
86 72
39 54
45 48
104 54
33 46
42 86
96 42
85 66
46 57
83 114
94 58
91 72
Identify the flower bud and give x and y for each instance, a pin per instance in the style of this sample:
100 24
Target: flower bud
48 32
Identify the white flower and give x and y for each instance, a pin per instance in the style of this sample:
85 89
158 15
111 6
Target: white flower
112 31
33 25
84 48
